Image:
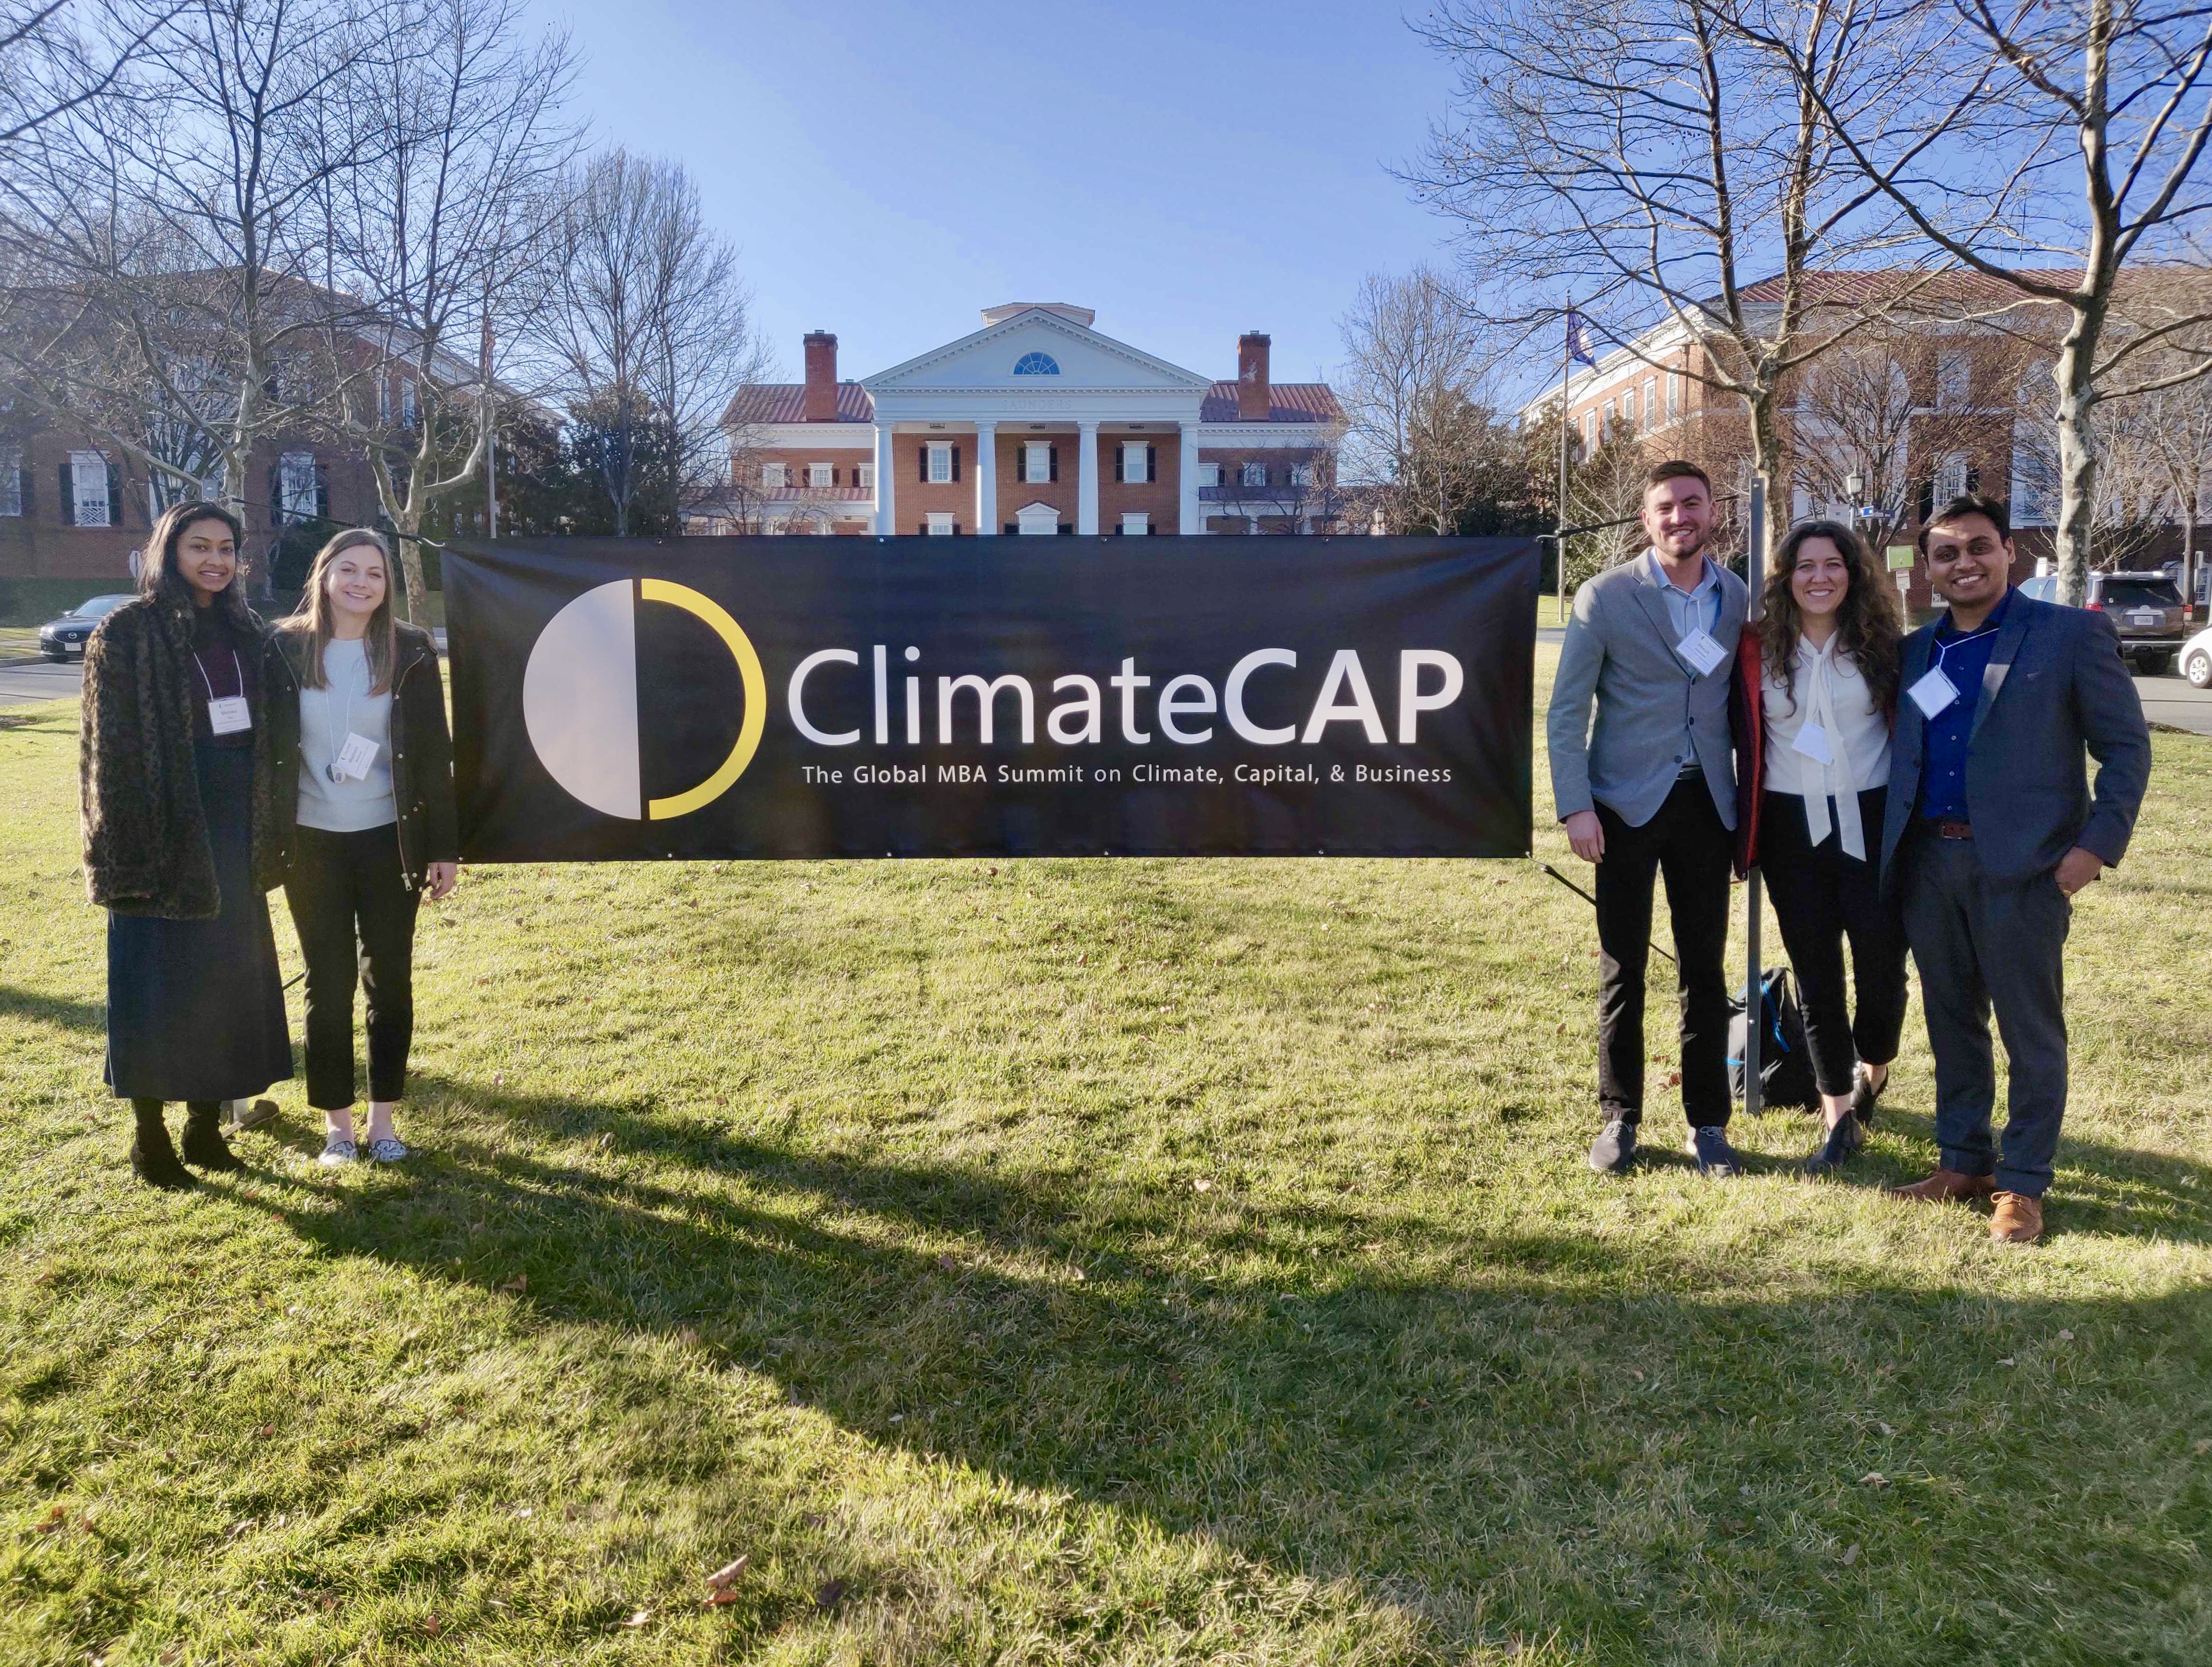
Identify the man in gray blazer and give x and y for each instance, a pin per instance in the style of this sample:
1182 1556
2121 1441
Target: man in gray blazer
1991 828
1649 787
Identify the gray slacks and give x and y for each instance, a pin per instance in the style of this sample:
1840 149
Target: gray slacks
1981 943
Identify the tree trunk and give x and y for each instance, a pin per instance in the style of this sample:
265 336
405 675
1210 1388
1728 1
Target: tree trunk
2077 458
1770 466
410 523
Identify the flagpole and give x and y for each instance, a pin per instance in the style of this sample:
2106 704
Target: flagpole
491 431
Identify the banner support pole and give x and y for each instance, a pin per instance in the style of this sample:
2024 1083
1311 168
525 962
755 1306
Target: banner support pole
1754 1010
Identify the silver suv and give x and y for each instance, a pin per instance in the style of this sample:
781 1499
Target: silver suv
2146 607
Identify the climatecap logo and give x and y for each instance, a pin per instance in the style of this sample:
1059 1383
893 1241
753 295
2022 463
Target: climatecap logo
580 700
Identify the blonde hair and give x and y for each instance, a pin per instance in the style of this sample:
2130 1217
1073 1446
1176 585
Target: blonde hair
313 621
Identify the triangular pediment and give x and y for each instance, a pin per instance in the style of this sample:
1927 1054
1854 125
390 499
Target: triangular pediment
1036 352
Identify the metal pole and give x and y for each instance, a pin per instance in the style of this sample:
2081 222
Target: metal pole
491 431
1754 1013
1560 540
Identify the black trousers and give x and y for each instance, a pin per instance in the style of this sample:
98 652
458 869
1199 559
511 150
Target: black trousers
1821 897
1686 844
346 889
1980 943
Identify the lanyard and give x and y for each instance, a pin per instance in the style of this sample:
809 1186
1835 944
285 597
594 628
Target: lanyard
237 671
1943 648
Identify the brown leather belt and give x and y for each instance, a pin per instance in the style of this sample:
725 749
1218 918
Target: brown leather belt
1951 827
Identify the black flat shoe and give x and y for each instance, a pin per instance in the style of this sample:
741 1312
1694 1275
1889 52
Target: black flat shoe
157 1166
1842 1145
1863 1096
205 1148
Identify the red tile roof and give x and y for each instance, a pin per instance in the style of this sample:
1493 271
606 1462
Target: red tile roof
1288 401
1845 289
785 401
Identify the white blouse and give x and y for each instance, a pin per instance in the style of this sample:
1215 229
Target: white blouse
1831 742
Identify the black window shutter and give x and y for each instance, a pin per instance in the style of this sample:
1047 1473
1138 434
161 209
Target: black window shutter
924 455
68 497
115 495
956 461
276 504
956 529
1052 463
322 490
1152 461
1067 529
1013 529
1118 455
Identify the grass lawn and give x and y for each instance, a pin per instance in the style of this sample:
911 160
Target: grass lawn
1085 1262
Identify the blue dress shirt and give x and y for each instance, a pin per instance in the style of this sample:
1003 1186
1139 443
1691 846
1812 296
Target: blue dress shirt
1963 657
1698 608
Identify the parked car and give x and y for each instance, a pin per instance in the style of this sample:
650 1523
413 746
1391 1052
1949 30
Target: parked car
2197 659
2146 607
64 638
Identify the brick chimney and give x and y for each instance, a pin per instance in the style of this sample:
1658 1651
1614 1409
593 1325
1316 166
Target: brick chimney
1253 398
821 403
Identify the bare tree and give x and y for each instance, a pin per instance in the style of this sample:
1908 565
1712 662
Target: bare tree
2051 148
452 120
1415 383
56 56
645 323
163 239
1650 159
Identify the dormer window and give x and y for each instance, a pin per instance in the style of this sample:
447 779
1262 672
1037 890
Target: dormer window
820 474
1209 474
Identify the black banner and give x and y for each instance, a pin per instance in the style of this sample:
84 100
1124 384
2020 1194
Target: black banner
616 700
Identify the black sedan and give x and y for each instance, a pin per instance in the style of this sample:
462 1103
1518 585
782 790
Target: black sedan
64 638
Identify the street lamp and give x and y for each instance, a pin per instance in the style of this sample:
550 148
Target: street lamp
1854 484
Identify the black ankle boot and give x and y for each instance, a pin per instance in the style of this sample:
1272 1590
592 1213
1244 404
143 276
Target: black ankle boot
204 1146
1842 1145
154 1160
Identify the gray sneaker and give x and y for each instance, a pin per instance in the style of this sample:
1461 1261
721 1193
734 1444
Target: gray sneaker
1715 1156
1614 1150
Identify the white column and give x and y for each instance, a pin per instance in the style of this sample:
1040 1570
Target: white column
885 522
986 478
1086 479
1186 481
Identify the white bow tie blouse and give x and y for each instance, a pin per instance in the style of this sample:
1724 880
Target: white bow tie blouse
1832 696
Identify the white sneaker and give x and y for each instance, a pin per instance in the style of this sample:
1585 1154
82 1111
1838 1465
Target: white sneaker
336 1151
390 1150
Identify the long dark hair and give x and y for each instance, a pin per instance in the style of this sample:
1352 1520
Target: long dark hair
312 621
1866 623
157 563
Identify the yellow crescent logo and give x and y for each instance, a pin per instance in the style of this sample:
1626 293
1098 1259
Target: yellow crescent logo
580 698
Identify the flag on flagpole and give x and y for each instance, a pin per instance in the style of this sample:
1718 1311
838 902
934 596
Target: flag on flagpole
1578 341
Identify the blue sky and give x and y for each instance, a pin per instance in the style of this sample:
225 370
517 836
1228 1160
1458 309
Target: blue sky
1190 170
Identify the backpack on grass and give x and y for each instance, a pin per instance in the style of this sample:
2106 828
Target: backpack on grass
1785 1064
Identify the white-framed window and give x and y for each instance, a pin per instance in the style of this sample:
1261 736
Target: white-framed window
89 504
820 474
1209 474
1037 520
1611 417
941 524
1590 430
1301 474
407 402
383 399
771 477
11 479
1136 522
1037 461
1650 399
1951 478
941 466
1628 410
295 486
1955 378
1136 462
1254 473
2035 474
864 477
1674 393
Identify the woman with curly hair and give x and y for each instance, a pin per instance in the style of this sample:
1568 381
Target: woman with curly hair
188 743
1817 683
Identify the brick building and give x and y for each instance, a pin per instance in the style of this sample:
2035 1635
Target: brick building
1934 397
1036 423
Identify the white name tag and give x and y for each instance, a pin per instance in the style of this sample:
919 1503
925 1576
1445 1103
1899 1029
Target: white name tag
1813 742
1701 651
229 715
355 757
1934 694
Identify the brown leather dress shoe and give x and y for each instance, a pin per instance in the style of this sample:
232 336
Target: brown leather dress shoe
2018 1218
1947 1186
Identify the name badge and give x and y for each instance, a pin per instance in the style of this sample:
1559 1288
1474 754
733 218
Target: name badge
1934 694
1703 653
1813 742
354 758
229 715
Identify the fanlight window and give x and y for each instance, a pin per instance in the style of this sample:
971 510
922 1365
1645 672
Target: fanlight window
1036 364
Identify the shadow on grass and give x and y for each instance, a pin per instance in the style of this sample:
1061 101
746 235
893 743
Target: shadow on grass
1242 1373
90 1016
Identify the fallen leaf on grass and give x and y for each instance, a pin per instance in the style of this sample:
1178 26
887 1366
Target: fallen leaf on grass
55 1519
171 1656
1851 1554
522 1511
1883 1427
951 1265
637 1620
2065 1336
1083 958
727 1575
1634 1373
1201 1185
266 1431
432 1626
519 1283
1873 1479
2204 1446
2007 1360
829 1595
721 1595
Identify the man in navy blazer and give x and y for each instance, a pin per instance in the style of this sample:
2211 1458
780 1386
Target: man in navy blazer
1998 830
